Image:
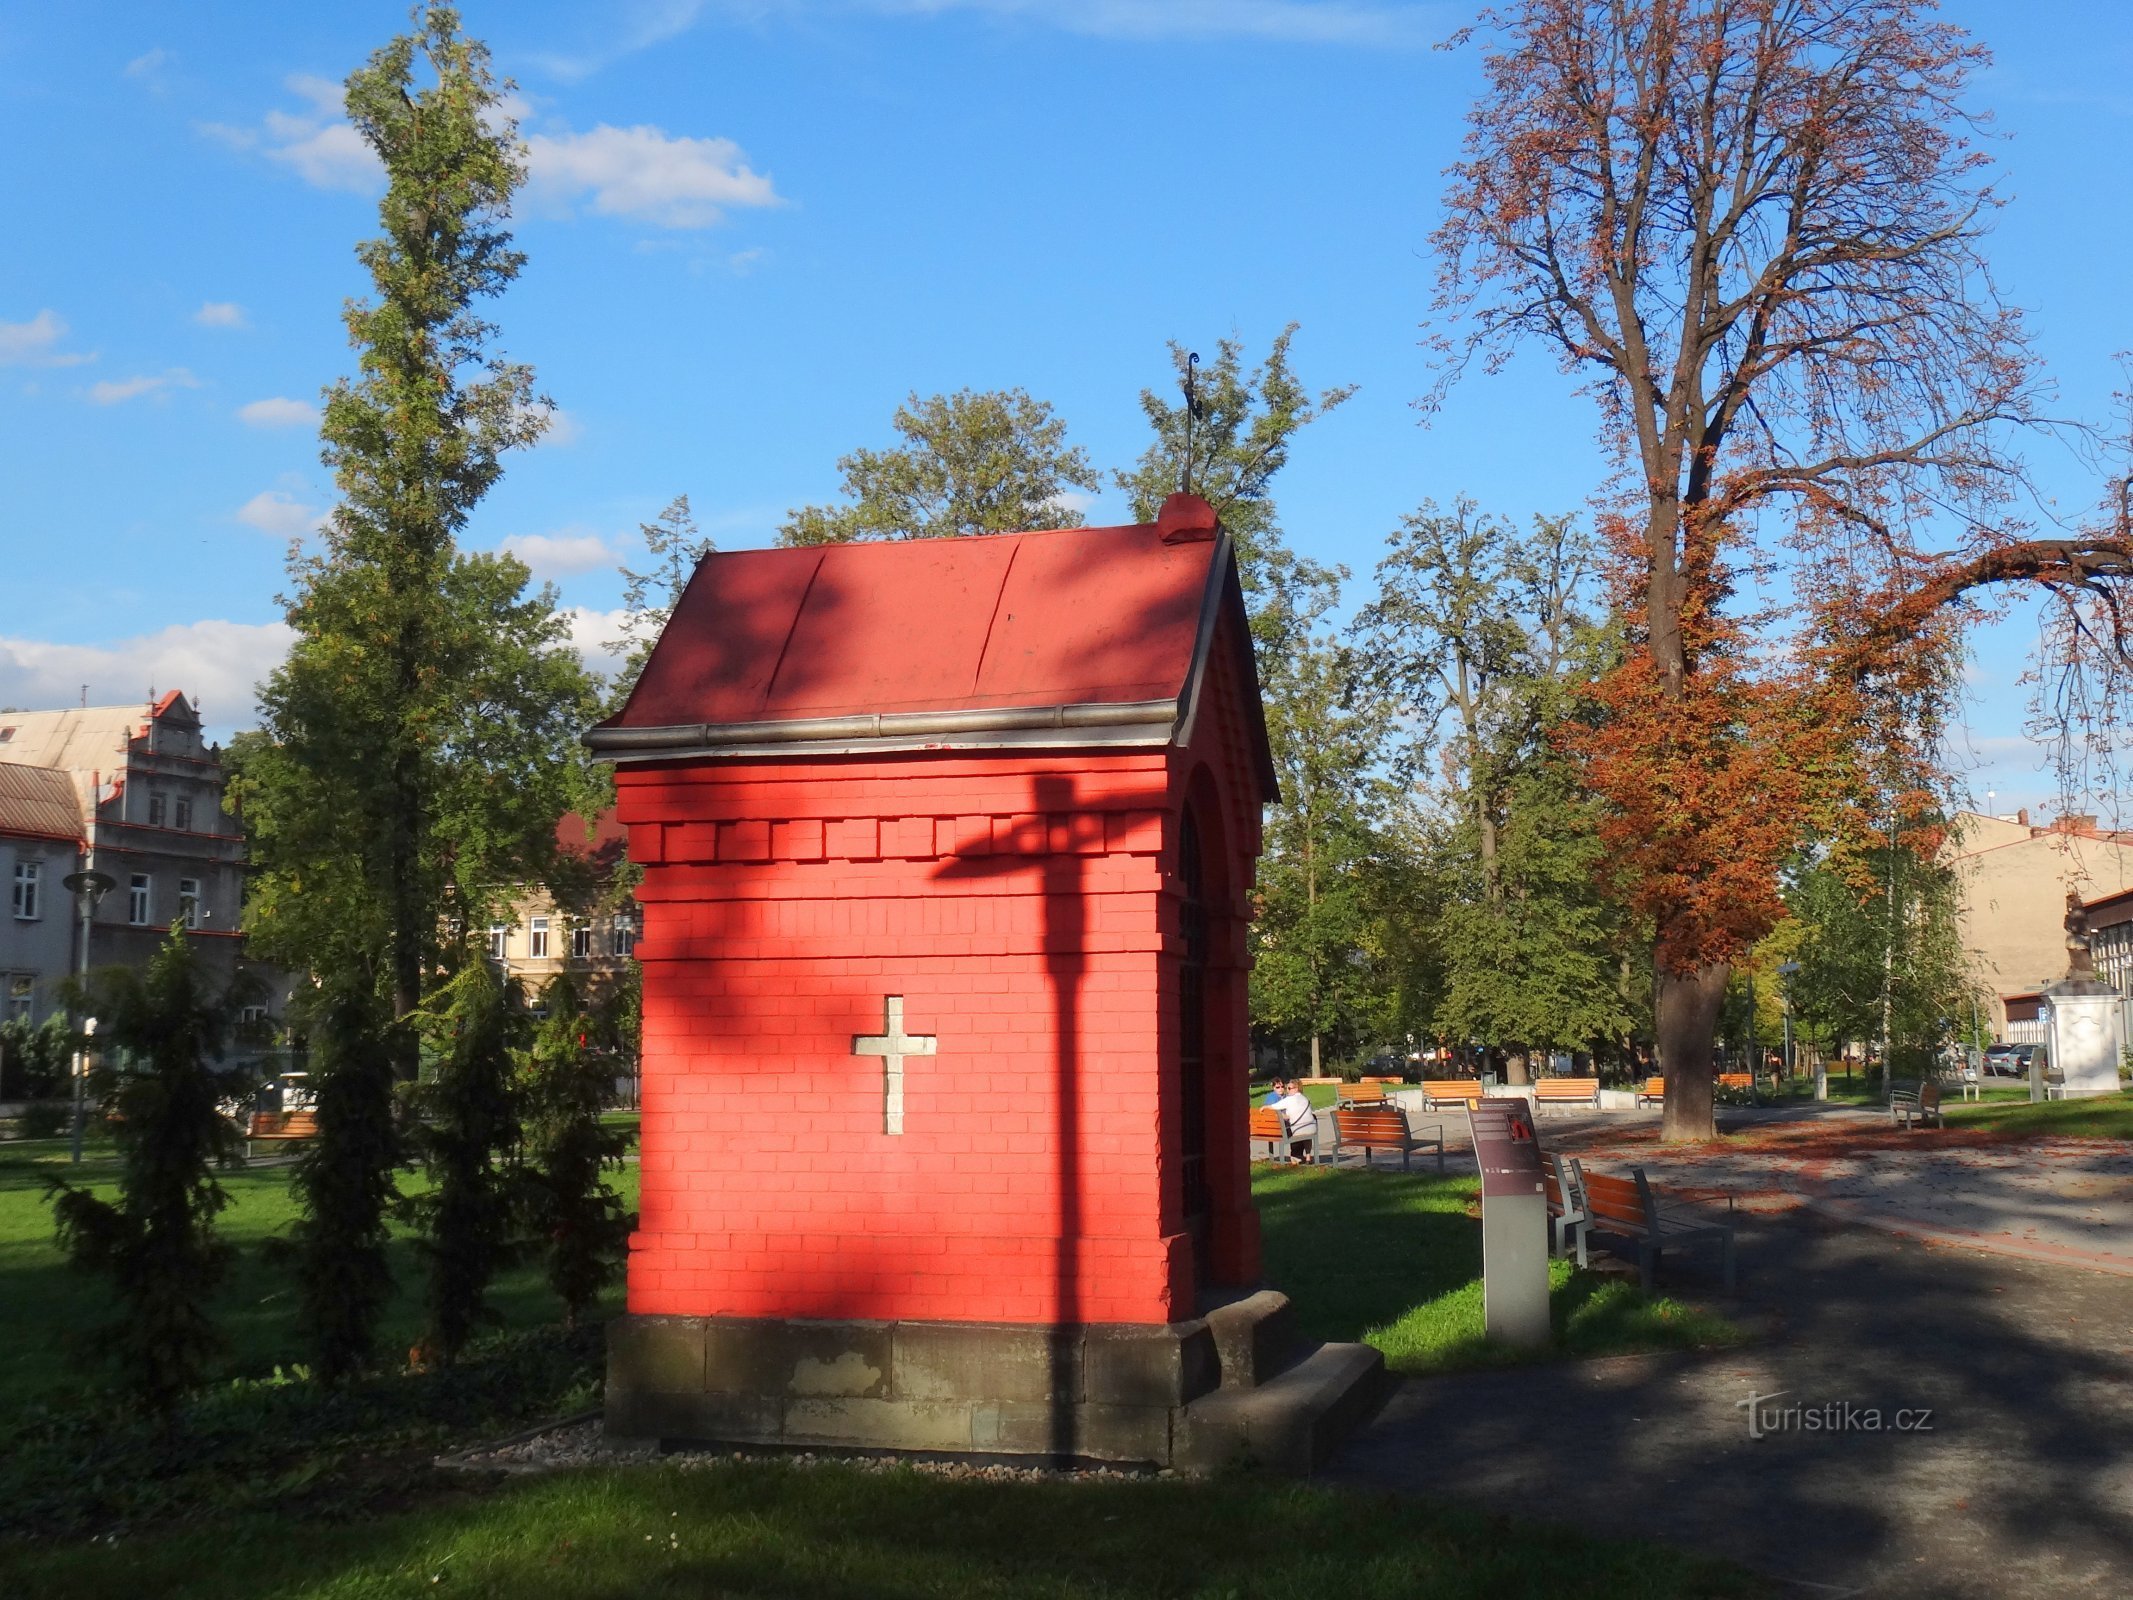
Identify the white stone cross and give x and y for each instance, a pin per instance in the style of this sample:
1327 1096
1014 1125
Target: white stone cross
892 1044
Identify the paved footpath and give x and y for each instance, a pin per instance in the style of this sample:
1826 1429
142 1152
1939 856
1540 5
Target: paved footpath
1989 1289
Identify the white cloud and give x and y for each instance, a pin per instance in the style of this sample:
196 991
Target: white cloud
554 554
35 343
217 664
642 172
319 144
1281 21
590 634
116 391
562 429
278 512
643 24
150 66
277 412
220 314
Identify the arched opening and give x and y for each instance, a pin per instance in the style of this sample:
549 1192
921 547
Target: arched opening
1198 1195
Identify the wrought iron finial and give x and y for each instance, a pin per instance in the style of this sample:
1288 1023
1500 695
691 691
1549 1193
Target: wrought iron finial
1192 415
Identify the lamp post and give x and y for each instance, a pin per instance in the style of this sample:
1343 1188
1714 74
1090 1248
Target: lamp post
88 886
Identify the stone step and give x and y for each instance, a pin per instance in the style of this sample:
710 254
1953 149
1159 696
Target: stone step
1289 1423
1255 1338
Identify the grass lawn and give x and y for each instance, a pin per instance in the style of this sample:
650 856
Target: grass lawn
2104 1117
1394 1259
276 1488
42 1298
835 1533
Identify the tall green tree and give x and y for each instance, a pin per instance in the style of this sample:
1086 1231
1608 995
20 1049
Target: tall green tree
1224 433
990 462
1482 634
344 1181
574 1215
1314 940
468 1135
161 1031
1880 953
674 546
419 743
1227 447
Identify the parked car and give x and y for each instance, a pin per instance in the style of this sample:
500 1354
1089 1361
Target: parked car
2000 1061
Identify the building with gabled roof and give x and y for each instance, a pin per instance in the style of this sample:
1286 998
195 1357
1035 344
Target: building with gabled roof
146 790
41 841
948 851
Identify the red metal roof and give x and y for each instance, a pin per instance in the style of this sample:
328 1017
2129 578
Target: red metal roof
1078 616
1110 626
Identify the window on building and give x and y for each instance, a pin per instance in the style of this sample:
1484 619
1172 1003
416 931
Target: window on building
625 935
581 942
19 987
537 938
26 898
181 814
137 907
189 901
499 937
157 806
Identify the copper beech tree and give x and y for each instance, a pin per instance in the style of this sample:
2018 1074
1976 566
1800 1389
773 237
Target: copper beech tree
1753 227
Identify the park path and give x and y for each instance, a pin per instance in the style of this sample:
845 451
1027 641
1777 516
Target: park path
2020 1343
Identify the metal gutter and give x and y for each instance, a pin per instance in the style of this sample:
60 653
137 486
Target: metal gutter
1131 722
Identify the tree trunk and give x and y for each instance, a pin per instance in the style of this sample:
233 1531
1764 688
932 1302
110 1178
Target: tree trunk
1315 1069
1685 1026
1514 1067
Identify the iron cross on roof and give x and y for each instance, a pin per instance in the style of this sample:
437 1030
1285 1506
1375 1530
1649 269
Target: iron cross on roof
892 1044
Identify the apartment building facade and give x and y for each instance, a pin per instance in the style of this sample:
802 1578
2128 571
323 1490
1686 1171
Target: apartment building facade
147 795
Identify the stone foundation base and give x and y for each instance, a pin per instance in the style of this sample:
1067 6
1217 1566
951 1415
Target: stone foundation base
1232 1386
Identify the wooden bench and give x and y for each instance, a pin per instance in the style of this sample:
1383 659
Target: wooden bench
1627 1209
279 1127
1384 1128
1915 1102
1653 1093
1566 1092
1271 1128
1370 1092
1737 1082
1450 1092
1567 1217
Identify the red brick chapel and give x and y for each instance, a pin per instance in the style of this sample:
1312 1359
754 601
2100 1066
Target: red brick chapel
947 847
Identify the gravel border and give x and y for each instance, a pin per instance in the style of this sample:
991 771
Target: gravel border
582 1441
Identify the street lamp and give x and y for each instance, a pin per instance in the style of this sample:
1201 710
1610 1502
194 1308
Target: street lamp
88 886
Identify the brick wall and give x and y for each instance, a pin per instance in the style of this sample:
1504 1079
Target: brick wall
1025 907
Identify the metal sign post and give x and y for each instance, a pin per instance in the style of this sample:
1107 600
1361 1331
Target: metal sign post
1514 1221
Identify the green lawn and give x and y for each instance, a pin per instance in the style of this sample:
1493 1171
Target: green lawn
833 1533
273 1487
2105 1117
41 1297
1394 1259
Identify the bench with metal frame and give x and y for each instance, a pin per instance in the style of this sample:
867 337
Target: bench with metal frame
1440 1092
1627 1209
1915 1102
1384 1128
1566 1091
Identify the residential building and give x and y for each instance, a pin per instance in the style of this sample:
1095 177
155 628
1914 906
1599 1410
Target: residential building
41 842
535 938
146 790
2012 880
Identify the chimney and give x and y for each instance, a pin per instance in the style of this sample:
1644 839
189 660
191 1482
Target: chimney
2022 816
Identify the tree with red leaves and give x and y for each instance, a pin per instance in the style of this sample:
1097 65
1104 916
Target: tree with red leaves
1754 228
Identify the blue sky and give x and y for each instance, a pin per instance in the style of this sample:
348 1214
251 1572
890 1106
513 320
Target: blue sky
755 226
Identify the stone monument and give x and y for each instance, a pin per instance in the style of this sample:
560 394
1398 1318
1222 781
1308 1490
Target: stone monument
2084 1020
